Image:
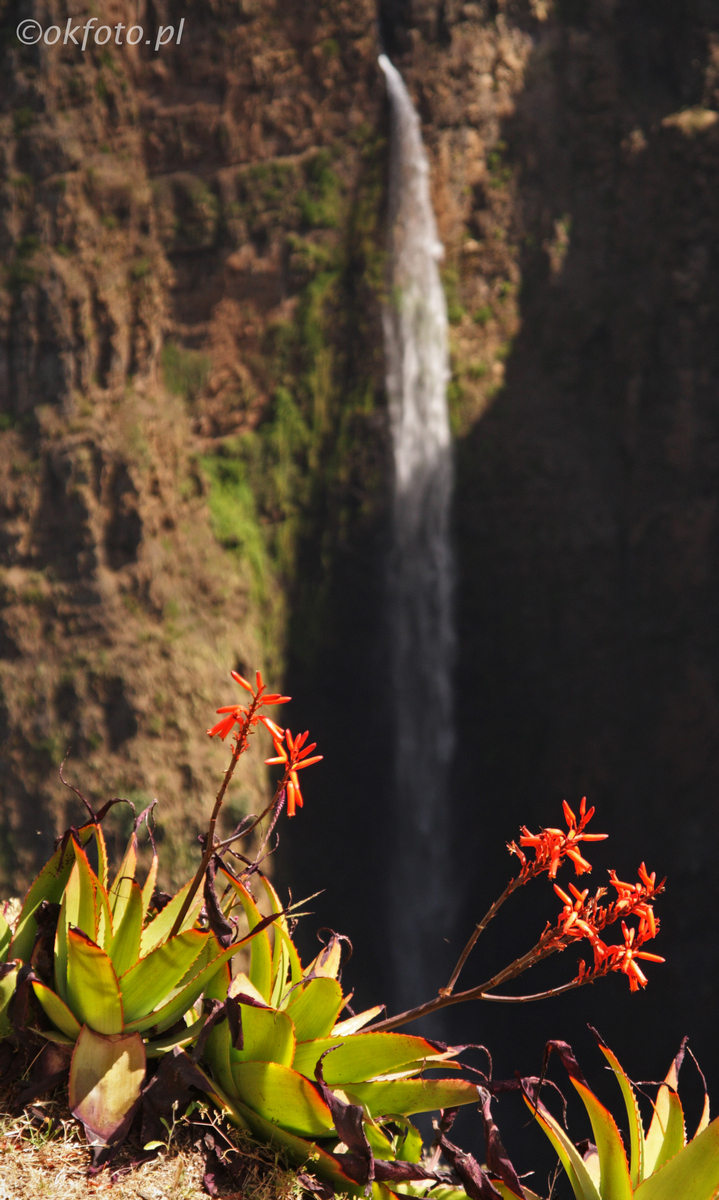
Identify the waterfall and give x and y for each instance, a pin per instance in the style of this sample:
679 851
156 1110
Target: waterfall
421 566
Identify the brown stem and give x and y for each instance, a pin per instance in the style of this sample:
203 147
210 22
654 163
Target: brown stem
545 946
557 991
239 749
492 912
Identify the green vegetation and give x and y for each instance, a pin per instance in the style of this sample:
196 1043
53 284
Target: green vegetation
23 119
140 268
185 371
455 308
20 271
268 485
319 201
483 315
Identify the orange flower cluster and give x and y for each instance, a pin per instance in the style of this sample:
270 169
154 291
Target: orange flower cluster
552 846
293 756
246 715
585 917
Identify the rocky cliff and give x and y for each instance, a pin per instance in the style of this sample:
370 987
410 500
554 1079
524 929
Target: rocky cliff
189 240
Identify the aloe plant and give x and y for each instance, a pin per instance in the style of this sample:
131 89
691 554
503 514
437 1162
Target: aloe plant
120 981
8 977
286 1068
662 1164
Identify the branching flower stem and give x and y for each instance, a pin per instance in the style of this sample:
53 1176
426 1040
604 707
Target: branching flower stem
492 912
239 748
543 948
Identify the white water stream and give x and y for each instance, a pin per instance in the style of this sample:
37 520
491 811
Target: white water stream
421 568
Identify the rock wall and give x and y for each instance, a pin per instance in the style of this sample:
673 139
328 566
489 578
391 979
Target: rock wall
186 364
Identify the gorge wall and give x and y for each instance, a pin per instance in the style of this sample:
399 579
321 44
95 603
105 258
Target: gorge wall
188 247
194 445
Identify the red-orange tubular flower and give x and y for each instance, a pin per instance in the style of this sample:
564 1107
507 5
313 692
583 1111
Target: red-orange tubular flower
586 916
293 757
245 715
551 846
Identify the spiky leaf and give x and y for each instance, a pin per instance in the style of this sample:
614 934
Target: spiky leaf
615 1180
360 1057
8 980
666 1132
93 992
106 1078
49 885
408 1096
314 1008
693 1173
120 889
124 949
570 1158
58 1012
268 1036
153 978
261 953
636 1128
280 1095
164 1017
160 927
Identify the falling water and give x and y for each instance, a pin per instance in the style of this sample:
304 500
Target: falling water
421 570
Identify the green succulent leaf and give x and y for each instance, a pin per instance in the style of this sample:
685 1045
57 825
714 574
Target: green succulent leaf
361 1056
314 1007
693 1173
354 1024
615 1180
87 914
5 938
502 1189
185 1037
407 1145
282 928
164 1017
268 1036
120 889
217 1046
57 1010
666 1135
159 929
154 977
106 1078
261 952
280 968
93 992
102 865
124 949
148 888
49 885
283 1097
408 1096
299 1150
570 1158
8 980
636 1128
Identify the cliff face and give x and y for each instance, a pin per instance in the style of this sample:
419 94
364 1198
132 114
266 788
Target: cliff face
187 237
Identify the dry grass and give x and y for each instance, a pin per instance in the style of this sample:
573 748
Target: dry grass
43 1155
